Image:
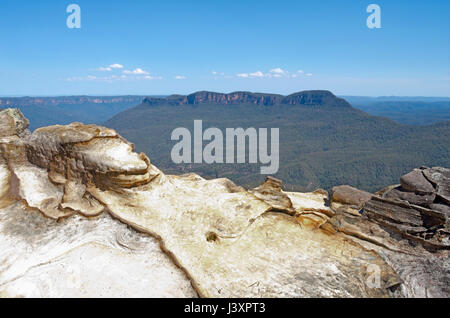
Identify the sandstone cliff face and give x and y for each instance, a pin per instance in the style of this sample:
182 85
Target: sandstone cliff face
302 98
82 215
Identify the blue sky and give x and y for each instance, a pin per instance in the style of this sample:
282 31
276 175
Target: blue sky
164 47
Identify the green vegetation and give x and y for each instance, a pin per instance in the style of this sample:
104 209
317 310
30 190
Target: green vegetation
320 145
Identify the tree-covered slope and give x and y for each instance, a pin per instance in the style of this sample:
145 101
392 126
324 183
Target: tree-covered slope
321 144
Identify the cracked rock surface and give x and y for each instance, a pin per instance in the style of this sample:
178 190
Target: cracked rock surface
83 215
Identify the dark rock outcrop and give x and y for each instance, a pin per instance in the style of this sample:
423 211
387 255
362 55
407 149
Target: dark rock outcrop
417 210
424 187
399 193
410 221
440 177
410 229
415 182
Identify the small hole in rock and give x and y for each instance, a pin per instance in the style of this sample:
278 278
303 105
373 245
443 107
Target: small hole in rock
211 237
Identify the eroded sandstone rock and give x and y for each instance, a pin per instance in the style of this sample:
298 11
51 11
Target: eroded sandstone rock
271 193
226 241
418 199
413 222
61 161
348 195
12 123
440 177
423 274
416 182
348 199
5 176
80 257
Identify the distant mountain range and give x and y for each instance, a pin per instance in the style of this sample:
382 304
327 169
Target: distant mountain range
406 110
323 140
45 111
370 100
67 100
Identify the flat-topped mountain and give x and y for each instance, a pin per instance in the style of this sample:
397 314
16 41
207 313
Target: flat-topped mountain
323 140
317 97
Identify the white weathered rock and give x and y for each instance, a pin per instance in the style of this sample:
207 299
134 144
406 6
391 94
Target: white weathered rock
231 246
224 240
80 257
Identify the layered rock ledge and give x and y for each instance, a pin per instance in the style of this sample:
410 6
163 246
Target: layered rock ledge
83 215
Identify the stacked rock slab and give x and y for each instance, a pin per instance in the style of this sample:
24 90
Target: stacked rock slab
407 224
226 241
417 209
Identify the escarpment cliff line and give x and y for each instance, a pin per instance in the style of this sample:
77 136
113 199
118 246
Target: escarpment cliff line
203 97
61 184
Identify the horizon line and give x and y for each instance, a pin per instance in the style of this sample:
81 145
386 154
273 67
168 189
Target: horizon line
166 95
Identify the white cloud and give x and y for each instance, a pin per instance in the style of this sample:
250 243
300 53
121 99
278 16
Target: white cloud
214 73
89 78
110 68
116 66
137 71
111 78
148 77
278 71
180 77
257 74
251 75
274 73
299 73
